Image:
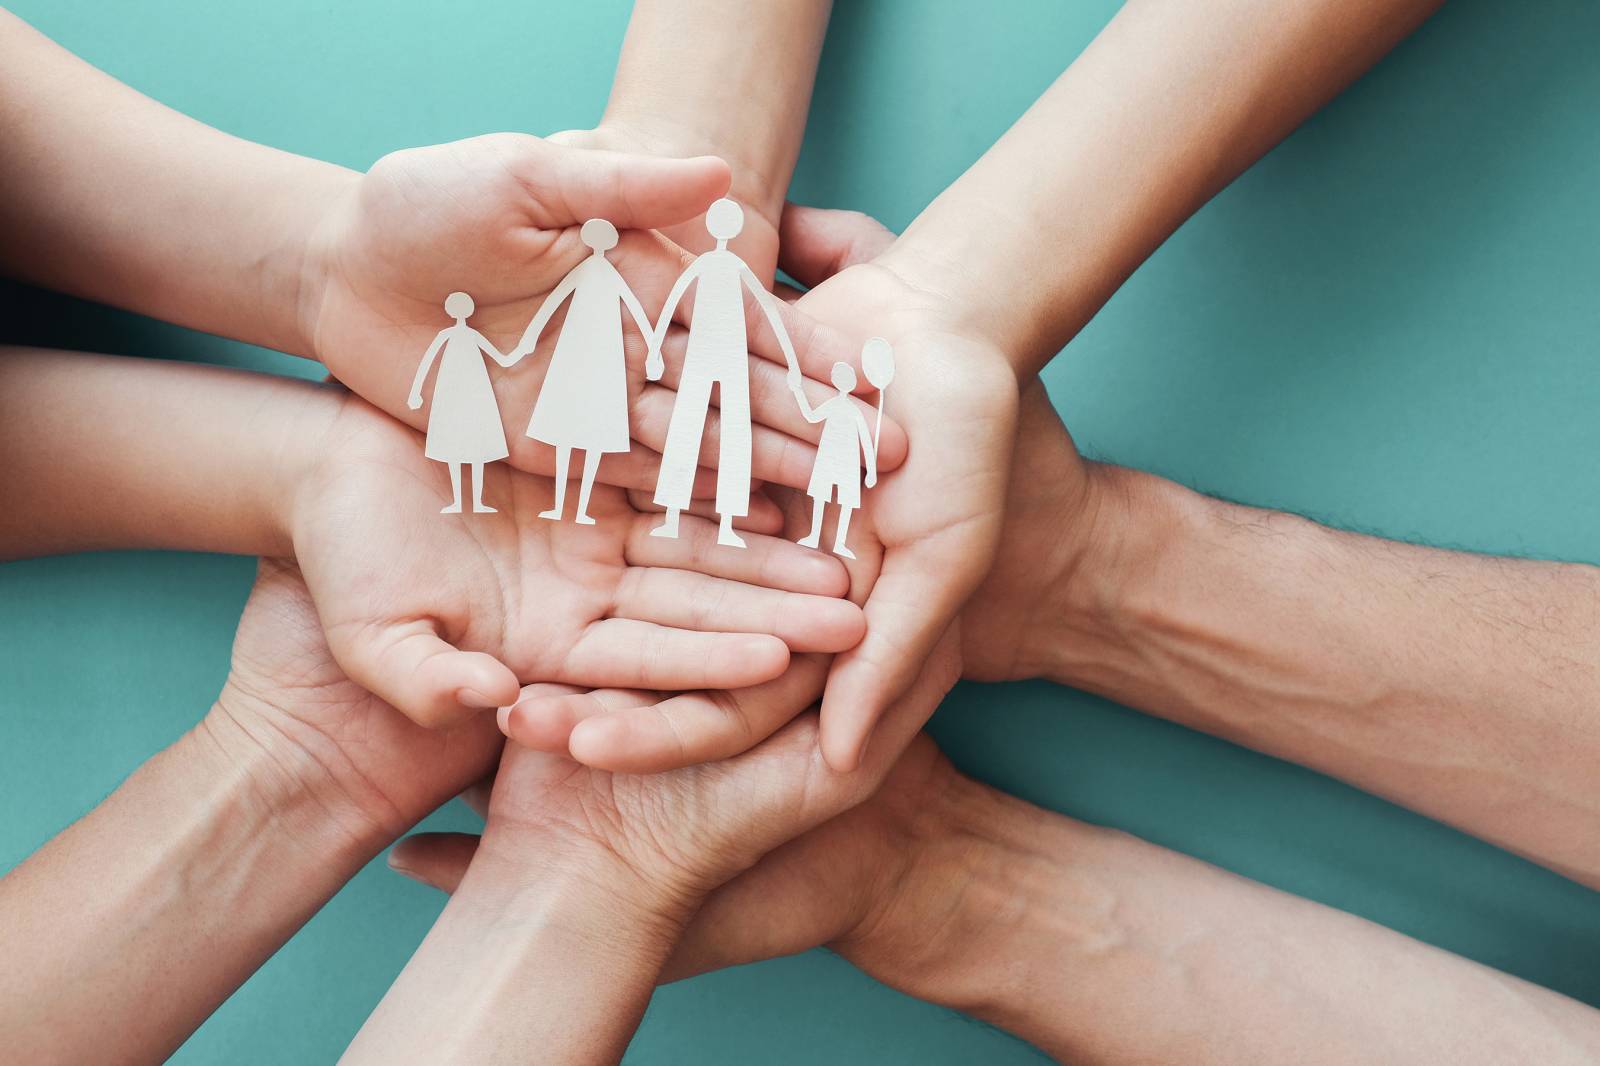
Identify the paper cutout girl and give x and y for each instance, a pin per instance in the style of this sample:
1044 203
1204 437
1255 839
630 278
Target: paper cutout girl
464 425
583 403
718 354
837 473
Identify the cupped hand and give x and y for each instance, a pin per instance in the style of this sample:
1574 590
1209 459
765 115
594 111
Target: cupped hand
371 768
498 217
442 615
924 538
686 832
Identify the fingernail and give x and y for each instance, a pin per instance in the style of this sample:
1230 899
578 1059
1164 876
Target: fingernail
400 868
471 697
503 718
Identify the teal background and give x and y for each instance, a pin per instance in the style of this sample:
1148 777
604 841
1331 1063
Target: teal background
1389 324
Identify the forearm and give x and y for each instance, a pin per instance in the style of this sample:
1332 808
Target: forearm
1460 685
555 964
109 195
726 78
1098 947
1168 105
112 452
127 930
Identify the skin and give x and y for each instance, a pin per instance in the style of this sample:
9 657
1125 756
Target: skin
1169 104
443 616
212 854
352 269
1095 946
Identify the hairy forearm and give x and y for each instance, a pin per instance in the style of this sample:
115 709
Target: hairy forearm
109 195
111 452
1170 103
555 965
723 77
1463 686
1099 947
127 930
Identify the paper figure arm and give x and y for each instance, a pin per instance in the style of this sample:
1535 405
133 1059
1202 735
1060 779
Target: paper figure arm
636 309
810 413
654 365
414 401
869 448
492 352
772 309
530 336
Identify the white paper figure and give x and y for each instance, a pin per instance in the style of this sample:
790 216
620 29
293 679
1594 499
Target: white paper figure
464 425
583 403
717 355
845 441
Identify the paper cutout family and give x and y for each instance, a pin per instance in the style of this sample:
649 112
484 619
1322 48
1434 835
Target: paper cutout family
583 403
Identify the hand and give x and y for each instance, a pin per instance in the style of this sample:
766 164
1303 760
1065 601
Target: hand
681 834
414 401
368 767
878 884
932 529
498 217
444 615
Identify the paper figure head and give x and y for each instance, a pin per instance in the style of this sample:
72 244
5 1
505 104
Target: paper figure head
599 234
877 362
844 377
725 219
458 305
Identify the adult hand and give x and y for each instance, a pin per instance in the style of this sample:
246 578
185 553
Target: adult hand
444 616
498 217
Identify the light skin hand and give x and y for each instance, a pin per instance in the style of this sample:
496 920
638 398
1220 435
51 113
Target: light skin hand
1095 946
646 850
207 859
442 616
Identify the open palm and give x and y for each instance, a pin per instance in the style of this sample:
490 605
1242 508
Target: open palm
440 615
498 216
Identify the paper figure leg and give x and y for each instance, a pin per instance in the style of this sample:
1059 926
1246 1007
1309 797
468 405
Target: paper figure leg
726 535
681 455
840 533
563 455
669 525
478 506
591 466
812 539
455 489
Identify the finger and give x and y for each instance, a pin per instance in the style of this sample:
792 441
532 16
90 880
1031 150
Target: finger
907 612
815 243
421 675
476 796
436 859
623 653
686 600
772 562
696 727
570 185
544 722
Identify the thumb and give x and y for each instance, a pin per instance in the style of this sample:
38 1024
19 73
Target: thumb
571 185
422 676
815 243
436 859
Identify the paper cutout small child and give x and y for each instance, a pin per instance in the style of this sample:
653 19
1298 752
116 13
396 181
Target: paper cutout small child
718 354
464 425
583 403
845 440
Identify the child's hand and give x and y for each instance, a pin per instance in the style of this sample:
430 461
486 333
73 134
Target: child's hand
441 616
498 217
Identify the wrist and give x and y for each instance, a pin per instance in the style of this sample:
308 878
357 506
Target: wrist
282 788
328 203
1100 600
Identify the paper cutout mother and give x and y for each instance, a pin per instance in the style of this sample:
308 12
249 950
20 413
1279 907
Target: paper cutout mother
583 403
718 355
464 425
